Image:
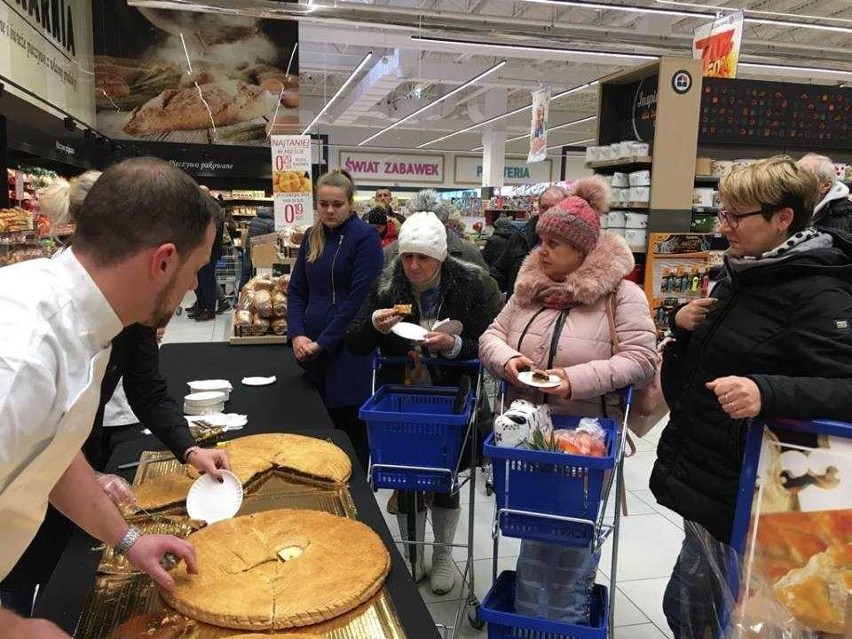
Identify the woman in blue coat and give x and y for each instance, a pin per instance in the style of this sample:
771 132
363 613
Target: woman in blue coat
339 259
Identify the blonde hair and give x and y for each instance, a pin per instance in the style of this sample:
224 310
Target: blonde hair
776 182
61 201
339 179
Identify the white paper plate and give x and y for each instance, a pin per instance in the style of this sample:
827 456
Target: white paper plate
449 326
258 381
210 501
409 331
527 378
202 385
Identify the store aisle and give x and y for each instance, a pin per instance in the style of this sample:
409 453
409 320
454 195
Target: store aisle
650 536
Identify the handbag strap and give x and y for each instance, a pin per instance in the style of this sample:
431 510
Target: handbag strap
610 318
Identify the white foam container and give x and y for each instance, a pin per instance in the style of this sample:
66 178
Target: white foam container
636 238
620 196
640 149
625 149
635 220
205 403
640 178
620 180
640 194
211 385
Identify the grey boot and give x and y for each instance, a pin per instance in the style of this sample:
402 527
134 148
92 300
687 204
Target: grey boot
444 523
420 532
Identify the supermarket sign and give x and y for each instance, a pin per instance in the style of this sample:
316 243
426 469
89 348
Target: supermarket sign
388 169
516 172
717 45
292 185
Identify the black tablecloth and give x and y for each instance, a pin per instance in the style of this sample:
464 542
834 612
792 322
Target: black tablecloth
291 404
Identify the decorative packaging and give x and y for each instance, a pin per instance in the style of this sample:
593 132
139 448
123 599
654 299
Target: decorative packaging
640 194
635 220
620 196
617 219
517 427
636 238
605 221
703 197
620 180
640 149
721 168
640 178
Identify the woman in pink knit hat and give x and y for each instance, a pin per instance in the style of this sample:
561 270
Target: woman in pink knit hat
557 321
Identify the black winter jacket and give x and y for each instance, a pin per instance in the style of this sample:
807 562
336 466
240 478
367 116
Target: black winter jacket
505 269
835 215
468 295
497 243
786 323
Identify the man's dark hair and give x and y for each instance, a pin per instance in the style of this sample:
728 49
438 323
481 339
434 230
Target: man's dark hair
139 204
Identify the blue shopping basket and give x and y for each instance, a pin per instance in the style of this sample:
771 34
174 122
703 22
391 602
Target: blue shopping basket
415 437
547 496
498 609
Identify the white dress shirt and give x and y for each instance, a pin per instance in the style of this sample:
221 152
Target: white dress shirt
55 332
117 411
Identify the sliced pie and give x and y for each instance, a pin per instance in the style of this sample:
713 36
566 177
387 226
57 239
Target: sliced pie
279 569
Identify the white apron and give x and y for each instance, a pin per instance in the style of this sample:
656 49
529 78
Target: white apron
24 502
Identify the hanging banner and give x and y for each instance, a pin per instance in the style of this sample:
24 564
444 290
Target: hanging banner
194 77
292 185
538 126
46 48
717 45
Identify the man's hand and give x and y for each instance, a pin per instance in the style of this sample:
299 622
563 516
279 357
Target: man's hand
117 489
691 315
148 550
564 388
438 342
300 347
739 396
210 460
14 627
517 365
384 319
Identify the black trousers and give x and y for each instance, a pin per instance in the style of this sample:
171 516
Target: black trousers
346 419
207 291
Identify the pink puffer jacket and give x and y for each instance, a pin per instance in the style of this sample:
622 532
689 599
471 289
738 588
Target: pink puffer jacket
584 348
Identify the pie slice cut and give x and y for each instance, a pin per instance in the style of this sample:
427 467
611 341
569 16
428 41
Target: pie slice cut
162 491
245 581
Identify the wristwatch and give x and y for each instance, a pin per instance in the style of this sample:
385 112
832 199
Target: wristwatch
130 537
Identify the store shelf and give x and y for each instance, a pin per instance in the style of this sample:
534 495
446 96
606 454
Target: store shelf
704 210
636 206
708 179
638 161
246 202
244 214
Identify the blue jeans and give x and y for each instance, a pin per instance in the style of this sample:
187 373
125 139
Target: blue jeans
697 598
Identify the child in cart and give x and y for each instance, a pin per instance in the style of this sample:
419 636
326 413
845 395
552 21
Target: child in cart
421 286
556 321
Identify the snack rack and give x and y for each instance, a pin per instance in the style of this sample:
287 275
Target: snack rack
559 499
417 436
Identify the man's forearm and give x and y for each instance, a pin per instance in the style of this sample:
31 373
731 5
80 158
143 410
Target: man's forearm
78 496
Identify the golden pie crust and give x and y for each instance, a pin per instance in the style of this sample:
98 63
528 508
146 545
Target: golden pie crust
288 635
306 457
242 583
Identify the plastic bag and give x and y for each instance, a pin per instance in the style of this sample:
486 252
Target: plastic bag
555 582
118 490
517 427
587 439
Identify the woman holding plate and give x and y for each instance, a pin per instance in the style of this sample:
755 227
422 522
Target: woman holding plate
418 289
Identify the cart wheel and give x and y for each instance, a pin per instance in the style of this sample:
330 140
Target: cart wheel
178 310
473 616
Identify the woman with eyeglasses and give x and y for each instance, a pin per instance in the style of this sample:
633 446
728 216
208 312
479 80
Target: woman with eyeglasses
774 340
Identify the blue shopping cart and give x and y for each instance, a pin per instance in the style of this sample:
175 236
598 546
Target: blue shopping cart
559 499
417 437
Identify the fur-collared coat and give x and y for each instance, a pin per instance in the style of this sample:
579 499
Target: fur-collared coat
584 346
468 294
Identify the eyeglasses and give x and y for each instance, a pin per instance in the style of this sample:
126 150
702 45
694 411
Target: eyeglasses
733 219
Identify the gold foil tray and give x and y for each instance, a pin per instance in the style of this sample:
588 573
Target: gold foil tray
126 604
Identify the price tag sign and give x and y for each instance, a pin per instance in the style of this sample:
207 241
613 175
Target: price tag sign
292 182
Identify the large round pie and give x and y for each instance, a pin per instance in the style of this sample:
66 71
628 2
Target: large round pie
279 569
308 458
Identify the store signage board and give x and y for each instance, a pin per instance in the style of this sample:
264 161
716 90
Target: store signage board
539 124
777 114
385 169
644 117
468 170
46 48
162 74
717 45
292 184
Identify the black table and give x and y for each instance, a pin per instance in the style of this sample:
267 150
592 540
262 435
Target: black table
289 405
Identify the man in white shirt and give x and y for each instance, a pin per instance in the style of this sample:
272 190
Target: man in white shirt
143 231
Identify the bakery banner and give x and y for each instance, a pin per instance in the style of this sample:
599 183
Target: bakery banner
194 77
538 126
387 169
46 50
799 550
515 172
717 45
292 187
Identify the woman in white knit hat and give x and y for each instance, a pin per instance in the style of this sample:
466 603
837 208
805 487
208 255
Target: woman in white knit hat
436 286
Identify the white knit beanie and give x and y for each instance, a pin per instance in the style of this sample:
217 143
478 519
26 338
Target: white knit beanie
423 233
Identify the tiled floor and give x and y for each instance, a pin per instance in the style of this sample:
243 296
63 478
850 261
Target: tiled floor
650 536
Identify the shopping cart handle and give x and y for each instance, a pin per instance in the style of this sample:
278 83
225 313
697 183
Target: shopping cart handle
378 358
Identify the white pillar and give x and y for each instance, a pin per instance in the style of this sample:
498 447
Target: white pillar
494 139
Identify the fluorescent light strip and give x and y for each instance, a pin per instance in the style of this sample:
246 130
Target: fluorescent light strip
787 67
799 25
556 128
508 114
703 7
338 93
577 143
534 49
443 98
